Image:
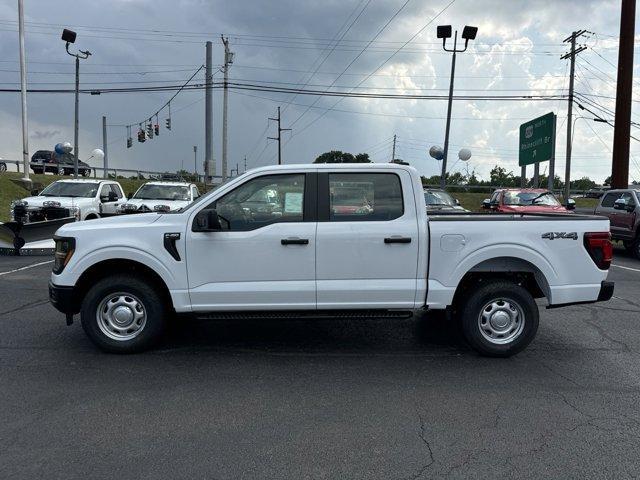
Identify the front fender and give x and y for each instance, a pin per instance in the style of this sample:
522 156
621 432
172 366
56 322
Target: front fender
76 267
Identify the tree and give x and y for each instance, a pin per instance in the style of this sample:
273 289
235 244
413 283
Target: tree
585 183
499 177
336 156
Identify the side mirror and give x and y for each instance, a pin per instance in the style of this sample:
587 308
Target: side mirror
620 204
35 192
457 201
130 195
571 204
110 197
486 204
206 221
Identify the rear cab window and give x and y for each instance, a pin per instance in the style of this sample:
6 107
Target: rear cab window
357 197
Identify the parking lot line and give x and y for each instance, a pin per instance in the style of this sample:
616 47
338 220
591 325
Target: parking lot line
626 268
25 268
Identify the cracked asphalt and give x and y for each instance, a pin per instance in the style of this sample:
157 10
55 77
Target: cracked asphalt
378 399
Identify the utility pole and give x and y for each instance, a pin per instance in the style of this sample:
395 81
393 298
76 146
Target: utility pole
23 93
104 146
572 57
622 129
279 137
245 164
523 176
228 60
208 112
393 151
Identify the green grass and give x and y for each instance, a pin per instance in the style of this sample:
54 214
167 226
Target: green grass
10 191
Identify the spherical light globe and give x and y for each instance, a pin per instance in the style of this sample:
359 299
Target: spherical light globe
67 147
464 154
97 154
436 152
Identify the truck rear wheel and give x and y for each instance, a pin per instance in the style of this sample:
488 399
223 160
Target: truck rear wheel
499 319
633 247
123 314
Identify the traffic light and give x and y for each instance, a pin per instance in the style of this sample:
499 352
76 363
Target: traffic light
156 129
129 142
141 136
168 123
150 131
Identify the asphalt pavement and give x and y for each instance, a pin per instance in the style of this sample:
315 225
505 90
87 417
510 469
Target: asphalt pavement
344 399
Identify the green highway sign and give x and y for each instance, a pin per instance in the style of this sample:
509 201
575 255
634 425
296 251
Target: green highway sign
538 140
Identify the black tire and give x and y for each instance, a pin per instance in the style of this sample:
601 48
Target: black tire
86 173
38 170
3 167
515 303
634 248
139 291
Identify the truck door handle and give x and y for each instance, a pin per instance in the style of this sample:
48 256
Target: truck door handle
397 240
294 241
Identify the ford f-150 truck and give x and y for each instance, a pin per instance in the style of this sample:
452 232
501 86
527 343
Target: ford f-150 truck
227 255
82 199
160 196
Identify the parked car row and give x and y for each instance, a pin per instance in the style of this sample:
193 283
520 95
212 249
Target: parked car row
87 199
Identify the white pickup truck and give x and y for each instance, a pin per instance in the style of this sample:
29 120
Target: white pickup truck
326 240
83 199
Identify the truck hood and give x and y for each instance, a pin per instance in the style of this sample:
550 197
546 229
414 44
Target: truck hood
128 221
152 203
64 202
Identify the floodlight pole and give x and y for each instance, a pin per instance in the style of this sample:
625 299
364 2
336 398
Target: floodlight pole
455 50
443 175
79 55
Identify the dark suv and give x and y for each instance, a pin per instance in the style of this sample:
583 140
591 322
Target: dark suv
49 161
623 209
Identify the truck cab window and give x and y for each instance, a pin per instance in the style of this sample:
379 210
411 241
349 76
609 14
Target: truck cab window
262 201
364 197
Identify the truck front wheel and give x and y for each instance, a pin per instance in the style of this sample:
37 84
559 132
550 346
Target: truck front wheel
123 314
499 319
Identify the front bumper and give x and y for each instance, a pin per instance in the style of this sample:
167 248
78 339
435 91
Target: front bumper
64 298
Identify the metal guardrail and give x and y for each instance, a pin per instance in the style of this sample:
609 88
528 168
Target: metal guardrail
140 174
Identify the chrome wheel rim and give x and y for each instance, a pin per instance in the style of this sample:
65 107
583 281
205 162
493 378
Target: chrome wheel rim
121 316
501 321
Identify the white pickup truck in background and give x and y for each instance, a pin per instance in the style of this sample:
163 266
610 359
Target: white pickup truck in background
320 240
160 196
82 199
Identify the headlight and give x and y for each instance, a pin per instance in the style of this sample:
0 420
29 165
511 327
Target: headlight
18 209
65 246
128 208
162 208
75 212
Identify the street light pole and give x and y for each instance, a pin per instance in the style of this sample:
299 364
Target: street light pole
444 32
70 37
195 162
23 94
443 175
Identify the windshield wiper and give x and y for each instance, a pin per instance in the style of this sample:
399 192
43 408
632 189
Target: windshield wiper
539 196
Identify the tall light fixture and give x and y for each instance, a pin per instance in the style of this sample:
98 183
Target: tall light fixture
69 36
444 32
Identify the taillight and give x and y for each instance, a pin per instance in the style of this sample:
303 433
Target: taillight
599 247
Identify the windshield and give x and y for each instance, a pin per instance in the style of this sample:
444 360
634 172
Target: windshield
545 199
68 189
436 197
162 192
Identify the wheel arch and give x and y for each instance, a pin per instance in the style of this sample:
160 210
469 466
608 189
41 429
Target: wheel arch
114 266
513 269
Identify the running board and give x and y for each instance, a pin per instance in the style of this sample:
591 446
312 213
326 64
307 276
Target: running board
305 314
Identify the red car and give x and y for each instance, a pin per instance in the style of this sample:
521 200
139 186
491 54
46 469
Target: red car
525 200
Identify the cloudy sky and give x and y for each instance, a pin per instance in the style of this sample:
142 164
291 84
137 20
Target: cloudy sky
352 45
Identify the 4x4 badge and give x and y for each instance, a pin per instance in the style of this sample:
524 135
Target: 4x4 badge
554 235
